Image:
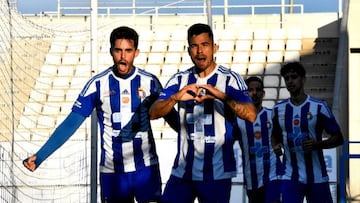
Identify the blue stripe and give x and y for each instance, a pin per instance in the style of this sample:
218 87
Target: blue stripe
114 87
265 142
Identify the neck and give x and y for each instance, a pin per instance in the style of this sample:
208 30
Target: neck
298 99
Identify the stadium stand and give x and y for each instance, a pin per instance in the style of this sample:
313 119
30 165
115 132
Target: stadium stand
48 61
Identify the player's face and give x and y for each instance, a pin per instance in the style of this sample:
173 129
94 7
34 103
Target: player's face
294 83
201 50
123 54
256 92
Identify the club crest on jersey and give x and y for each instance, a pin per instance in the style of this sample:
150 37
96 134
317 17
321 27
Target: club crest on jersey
268 124
257 135
141 93
309 116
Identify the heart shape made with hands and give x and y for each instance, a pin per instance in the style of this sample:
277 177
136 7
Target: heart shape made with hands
200 95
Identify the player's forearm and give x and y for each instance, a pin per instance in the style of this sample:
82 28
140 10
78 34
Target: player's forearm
62 133
246 111
333 141
161 107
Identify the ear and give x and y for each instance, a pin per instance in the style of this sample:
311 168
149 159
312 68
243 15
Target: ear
110 50
215 48
137 51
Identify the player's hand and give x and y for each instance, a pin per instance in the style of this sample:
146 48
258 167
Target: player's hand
29 163
308 145
207 91
278 150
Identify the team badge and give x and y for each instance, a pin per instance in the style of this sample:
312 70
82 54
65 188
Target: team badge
309 115
268 124
141 93
257 135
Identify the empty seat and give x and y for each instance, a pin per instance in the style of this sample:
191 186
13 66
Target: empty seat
83 71
65 71
54 59
104 46
45 122
258 57
243 45
291 56
57 47
278 34
61 83
27 122
154 69
271 81
37 95
70 59
169 70
274 57
283 93
51 108
172 58
255 69
145 35
186 59
105 59
75 47
65 108
32 108
293 44
43 83
161 35
270 93
178 34
226 45
276 45
48 70
227 34
244 34
272 68
176 46
241 57
294 33
71 95
78 83
141 59
159 46
260 45
144 46
240 68
223 57
56 95
156 58
84 58
261 34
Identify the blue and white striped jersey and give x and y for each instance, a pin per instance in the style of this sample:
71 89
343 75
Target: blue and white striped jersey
205 149
298 123
122 105
260 163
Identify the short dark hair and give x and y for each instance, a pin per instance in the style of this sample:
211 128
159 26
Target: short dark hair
293 67
199 28
254 79
124 32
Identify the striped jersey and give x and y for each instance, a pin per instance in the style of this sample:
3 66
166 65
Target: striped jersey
260 163
296 124
122 105
205 149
